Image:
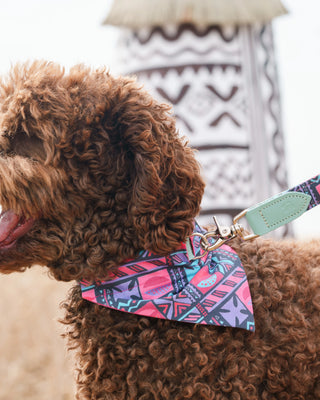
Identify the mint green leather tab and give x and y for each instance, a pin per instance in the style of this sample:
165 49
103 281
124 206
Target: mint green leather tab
277 211
190 252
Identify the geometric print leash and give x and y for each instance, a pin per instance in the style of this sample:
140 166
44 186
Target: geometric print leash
211 290
284 207
264 217
310 187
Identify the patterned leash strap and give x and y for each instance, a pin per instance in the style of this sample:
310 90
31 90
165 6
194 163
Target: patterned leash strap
264 217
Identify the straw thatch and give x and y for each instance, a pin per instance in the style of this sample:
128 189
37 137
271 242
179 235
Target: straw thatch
143 13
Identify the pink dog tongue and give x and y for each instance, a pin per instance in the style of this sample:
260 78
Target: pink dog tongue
8 221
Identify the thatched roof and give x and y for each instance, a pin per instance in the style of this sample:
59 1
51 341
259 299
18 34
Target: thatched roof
141 13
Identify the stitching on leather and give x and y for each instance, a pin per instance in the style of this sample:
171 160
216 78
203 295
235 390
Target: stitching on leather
279 201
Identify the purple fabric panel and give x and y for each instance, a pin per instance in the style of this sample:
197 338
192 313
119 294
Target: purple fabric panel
212 290
311 187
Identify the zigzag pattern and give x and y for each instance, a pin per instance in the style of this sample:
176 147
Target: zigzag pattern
211 291
228 176
215 104
311 187
144 36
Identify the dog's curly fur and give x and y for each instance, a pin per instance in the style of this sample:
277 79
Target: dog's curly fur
100 168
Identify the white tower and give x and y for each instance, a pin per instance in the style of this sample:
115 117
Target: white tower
213 60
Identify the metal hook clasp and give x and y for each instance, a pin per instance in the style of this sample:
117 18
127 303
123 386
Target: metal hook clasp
242 233
222 234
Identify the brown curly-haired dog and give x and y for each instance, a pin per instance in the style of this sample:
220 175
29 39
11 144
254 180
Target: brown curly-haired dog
93 171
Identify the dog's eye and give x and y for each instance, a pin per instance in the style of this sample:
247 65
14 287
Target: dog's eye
26 146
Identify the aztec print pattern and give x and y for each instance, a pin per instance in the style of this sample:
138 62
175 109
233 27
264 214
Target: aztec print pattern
212 290
311 187
222 83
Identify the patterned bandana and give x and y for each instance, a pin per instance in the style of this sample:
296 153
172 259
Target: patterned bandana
212 290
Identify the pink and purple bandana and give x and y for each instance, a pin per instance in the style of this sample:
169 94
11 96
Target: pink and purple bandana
212 290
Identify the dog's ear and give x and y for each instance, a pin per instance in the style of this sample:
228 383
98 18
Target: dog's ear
152 171
167 187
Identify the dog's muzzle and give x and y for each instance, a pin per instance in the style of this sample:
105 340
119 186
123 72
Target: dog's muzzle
12 227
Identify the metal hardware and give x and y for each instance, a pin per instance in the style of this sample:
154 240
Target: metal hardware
244 236
203 242
222 234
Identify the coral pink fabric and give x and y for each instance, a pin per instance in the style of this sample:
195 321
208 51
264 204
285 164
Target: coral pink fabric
212 290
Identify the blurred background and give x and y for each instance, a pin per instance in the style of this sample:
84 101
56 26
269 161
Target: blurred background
33 363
